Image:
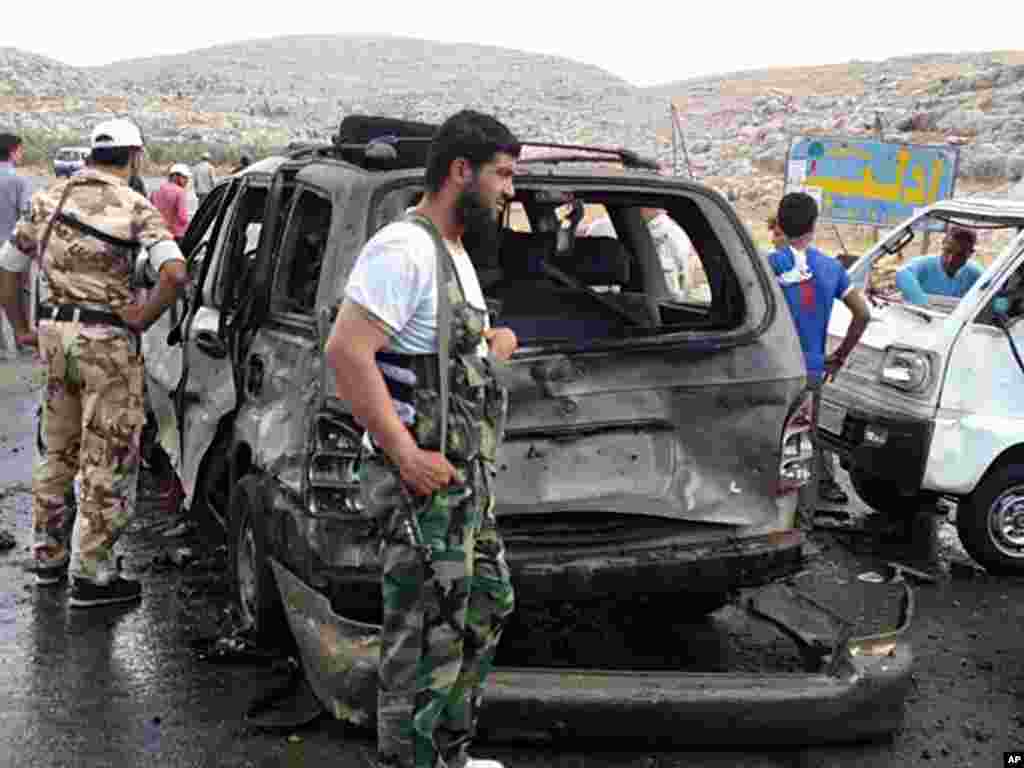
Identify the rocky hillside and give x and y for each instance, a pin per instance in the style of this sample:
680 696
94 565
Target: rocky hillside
736 123
267 93
297 89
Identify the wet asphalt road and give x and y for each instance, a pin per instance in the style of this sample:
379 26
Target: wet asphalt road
126 687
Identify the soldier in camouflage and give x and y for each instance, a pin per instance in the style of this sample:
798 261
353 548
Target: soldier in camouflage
446 587
84 232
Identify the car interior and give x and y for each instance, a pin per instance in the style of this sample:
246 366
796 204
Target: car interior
552 284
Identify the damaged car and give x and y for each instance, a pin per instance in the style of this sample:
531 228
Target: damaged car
655 442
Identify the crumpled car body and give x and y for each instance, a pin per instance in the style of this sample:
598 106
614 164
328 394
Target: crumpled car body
654 446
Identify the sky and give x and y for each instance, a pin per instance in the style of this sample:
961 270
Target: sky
646 44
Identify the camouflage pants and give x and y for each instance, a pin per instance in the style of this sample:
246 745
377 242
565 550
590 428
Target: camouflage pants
90 426
442 619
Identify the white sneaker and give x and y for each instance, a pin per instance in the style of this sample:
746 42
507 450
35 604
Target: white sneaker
476 762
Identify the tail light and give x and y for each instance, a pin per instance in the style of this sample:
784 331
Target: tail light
333 480
797 453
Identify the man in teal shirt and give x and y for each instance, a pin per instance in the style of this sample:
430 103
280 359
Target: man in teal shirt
948 274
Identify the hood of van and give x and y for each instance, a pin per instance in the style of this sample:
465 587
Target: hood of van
895 324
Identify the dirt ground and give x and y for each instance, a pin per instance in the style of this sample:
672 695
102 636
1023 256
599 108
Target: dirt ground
965 708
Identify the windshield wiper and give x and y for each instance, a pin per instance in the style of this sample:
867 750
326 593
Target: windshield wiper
915 311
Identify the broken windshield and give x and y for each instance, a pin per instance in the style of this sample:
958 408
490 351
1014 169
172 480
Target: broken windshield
932 267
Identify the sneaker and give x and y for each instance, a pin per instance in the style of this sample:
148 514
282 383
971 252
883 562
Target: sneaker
54 573
85 593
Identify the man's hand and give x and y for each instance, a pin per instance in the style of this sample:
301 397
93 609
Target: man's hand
133 316
424 472
27 339
833 363
502 342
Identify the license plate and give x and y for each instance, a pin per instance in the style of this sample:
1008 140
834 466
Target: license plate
830 418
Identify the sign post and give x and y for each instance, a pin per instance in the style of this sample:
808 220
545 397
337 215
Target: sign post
677 129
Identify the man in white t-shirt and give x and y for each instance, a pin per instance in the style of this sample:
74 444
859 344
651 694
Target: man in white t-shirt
435 654
674 248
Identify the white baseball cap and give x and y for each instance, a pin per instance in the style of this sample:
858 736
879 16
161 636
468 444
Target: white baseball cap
116 133
181 169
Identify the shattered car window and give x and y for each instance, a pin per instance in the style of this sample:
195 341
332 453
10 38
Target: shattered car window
883 281
240 243
304 244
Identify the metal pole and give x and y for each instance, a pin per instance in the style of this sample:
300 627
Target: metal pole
675 150
682 141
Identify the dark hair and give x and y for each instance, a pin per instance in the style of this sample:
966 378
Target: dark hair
967 238
471 135
8 143
119 157
797 214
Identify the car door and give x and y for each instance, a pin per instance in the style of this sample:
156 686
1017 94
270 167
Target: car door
162 351
981 407
207 391
281 367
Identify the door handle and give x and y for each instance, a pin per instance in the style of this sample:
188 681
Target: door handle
211 344
254 375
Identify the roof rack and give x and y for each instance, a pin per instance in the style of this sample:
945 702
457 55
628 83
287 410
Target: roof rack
385 143
574 153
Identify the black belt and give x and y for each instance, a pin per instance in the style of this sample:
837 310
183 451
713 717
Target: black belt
66 313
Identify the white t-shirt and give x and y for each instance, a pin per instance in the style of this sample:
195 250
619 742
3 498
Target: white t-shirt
393 279
674 248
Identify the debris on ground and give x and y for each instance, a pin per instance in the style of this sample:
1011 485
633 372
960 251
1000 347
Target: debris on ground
901 571
184 528
871 577
7 541
966 569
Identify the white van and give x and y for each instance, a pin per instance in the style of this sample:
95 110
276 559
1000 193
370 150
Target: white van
931 402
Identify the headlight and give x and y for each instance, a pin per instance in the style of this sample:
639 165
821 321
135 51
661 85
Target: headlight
906 369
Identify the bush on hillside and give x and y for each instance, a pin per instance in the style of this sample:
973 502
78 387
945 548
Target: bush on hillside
41 146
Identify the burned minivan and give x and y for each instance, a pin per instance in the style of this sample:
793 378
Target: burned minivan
655 443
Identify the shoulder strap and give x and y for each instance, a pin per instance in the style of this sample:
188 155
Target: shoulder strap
49 225
442 274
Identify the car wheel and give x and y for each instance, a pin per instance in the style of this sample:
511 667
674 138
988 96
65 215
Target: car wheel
991 521
881 496
259 601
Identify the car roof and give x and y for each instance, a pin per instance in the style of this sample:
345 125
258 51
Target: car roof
981 206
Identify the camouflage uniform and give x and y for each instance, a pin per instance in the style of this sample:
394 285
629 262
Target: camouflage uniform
446 586
93 411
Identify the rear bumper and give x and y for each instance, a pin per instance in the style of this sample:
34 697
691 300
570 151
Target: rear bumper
685 710
900 461
857 690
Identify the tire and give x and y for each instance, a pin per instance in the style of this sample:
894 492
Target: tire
881 497
255 588
991 521
212 495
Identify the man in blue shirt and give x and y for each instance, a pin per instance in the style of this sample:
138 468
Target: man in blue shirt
811 282
15 195
948 274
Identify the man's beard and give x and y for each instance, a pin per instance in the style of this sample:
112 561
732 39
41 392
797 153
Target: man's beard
479 222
